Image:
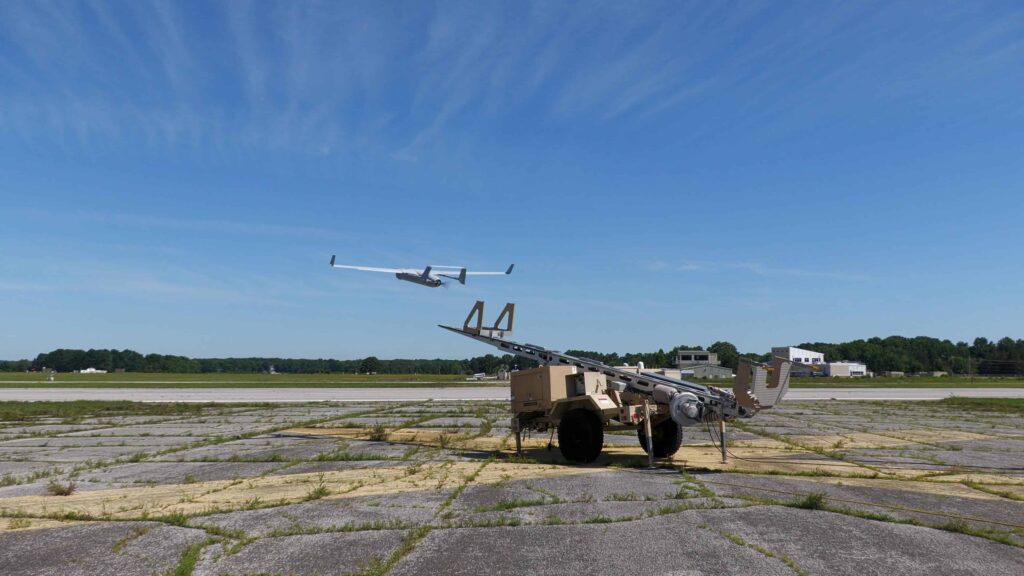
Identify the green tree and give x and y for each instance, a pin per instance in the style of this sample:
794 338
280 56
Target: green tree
370 365
728 355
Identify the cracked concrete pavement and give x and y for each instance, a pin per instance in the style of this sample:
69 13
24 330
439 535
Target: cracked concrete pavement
433 487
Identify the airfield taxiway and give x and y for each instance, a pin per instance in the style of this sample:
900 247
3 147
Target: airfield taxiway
407 488
385 394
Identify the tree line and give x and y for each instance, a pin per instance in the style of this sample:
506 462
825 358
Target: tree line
1004 357
728 355
69 360
923 354
983 357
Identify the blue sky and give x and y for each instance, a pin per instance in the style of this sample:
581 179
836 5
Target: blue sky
176 175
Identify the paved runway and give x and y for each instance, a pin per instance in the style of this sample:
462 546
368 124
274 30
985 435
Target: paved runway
420 394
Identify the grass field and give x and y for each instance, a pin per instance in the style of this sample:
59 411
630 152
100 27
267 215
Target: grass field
219 380
1007 405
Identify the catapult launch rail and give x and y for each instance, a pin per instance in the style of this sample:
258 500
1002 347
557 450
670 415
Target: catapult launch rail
582 398
757 386
715 399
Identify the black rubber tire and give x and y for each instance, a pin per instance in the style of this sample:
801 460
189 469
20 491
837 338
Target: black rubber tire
580 436
667 436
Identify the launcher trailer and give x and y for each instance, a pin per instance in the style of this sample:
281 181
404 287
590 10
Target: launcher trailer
582 398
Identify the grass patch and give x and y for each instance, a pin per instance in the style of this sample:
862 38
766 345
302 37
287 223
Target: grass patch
624 497
813 501
1002 405
982 488
957 525
75 409
498 521
296 529
516 459
189 559
462 487
379 433
739 541
485 428
504 505
319 491
444 440
227 380
61 488
962 527
19 523
343 456
137 532
378 567
174 519
607 520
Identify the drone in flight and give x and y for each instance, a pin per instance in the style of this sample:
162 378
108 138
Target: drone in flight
430 276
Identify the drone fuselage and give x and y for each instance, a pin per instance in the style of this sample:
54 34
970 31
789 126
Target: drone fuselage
419 279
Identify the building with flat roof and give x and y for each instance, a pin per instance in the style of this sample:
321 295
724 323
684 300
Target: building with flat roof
706 371
805 362
794 354
695 358
846 369
811 363
700 364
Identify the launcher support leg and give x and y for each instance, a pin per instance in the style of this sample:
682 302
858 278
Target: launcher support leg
519 436
721 430
650 436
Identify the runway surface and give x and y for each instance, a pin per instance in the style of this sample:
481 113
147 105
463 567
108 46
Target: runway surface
275 395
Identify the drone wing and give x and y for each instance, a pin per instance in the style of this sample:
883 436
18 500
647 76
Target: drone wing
366 268
509 271
461 277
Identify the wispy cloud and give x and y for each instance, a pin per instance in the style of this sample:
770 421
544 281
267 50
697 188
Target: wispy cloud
215 226
155 287
160 283
323 78
753 268
18 286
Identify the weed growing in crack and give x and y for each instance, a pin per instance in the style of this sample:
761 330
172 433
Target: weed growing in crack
174 519
444 440
319 491
379 433
61 488
813 501
19 523
503 505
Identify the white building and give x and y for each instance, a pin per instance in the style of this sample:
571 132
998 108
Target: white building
811 363
846 369
91 371
794 354
805 362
